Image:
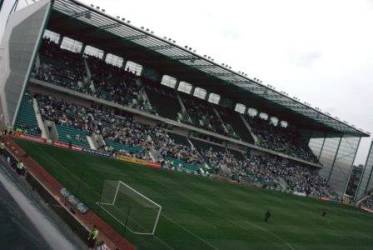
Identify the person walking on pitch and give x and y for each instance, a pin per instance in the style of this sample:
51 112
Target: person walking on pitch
267 215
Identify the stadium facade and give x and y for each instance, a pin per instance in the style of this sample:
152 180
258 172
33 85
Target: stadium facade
366 181
333 142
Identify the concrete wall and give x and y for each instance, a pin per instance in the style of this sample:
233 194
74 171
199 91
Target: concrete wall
20 42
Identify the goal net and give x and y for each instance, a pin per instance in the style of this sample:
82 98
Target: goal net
130 208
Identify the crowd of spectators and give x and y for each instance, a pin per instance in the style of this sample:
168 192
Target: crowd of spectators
167 147
112 83
67 69
121 127
268 170
203 115
285 140
222 161
114 125
61 67
298 178
116 84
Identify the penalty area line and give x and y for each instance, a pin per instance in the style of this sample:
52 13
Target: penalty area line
188 231
272 233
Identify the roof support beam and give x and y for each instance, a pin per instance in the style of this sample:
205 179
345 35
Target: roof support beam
110 26
256 91
245 84
274 98
251 88
161 47
282 102
205 66
221 74
184 58
239 81
135 37
79 14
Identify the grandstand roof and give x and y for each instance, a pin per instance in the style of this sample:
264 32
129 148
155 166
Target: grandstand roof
166 47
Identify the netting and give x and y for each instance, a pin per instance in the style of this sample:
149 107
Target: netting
130 208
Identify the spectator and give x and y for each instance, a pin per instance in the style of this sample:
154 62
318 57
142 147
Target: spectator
92 237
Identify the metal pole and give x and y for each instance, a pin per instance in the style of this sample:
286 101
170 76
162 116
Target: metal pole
13 9
116 193
322 148
352 164
357 193
156 221
370 152
335 159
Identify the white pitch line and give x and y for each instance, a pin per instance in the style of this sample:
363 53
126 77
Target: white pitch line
62 166
252 225
177 224
274 234
160 240
204 241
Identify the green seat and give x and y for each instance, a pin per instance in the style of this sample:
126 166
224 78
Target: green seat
187 167
72 135
26 118
130 149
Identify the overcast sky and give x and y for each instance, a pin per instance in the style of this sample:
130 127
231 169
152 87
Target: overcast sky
319 51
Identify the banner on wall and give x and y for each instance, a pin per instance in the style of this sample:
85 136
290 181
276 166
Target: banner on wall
30 138
67 146
138 161
325 198
94 152
44 141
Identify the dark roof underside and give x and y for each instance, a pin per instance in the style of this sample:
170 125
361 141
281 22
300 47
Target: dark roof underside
71 19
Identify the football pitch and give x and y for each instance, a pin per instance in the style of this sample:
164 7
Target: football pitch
199 213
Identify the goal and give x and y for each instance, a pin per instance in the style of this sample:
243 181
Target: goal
133 210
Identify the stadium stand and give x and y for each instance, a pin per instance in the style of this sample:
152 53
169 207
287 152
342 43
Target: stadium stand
93 76
160 98
97 89
285 140
26 121
202 115
72 135
235 125
111 83
61 67
67 69
122 133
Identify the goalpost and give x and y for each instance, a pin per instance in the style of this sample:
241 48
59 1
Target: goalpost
133 210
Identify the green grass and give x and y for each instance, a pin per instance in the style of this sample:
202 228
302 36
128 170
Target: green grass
199 213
